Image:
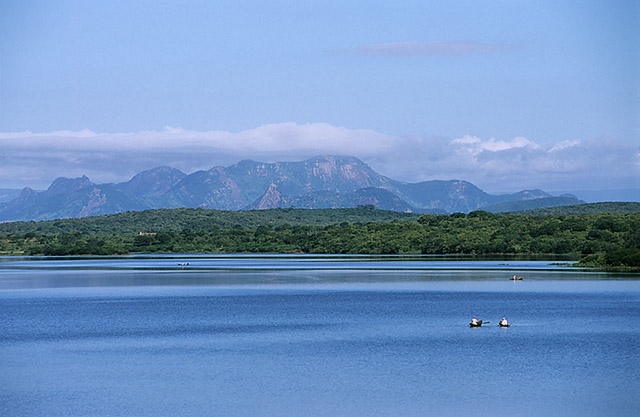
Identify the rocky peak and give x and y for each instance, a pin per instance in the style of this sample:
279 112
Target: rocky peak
533 194
270 199
26 193
154 181
68 185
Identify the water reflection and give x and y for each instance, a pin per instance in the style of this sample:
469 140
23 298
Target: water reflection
247 270
278 262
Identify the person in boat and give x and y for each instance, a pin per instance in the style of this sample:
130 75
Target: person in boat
474 321
504 322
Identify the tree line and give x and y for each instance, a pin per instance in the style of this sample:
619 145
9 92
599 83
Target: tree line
601 239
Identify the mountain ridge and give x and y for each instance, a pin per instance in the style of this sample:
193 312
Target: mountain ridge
333 181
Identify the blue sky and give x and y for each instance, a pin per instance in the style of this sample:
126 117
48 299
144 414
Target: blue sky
505 94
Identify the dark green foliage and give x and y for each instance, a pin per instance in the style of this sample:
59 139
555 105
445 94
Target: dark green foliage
200 219
623 257
580 209
614 239
533 204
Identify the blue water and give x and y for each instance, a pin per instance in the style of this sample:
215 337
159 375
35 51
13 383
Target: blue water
354 336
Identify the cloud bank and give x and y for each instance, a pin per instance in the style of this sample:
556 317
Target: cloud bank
520 163
36 159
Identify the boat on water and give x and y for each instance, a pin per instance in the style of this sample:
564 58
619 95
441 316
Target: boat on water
476 324
515 278
504 325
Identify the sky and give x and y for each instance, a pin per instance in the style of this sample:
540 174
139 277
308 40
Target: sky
508 95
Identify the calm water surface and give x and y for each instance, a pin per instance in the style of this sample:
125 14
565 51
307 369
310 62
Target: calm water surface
315 336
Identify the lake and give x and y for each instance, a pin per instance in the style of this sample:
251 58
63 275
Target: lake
243 335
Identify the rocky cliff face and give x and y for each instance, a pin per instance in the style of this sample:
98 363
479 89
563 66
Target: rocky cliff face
270 199
153 183
240 185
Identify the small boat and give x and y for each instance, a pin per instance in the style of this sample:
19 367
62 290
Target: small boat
515 278
478 324
504 325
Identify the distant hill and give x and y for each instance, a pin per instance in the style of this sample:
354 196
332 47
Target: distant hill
537 203
67 198
152 184
7 194
596 196
319 182
380 198
591 208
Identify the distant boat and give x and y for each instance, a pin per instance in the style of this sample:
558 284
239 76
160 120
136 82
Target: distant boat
477 324
515 278
504 325
183 263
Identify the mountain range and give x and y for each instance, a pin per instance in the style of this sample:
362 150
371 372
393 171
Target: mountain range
319 182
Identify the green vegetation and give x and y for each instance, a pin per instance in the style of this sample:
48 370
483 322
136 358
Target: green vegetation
591 208
619 258
201 219
606 239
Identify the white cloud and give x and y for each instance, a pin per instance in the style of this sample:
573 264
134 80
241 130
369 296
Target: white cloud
475 145
511 164
109 157
467 140
85 133
564 145
518 163
267 138
597 162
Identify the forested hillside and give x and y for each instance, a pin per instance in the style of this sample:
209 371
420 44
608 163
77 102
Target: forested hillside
334 231
203 219
591 208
